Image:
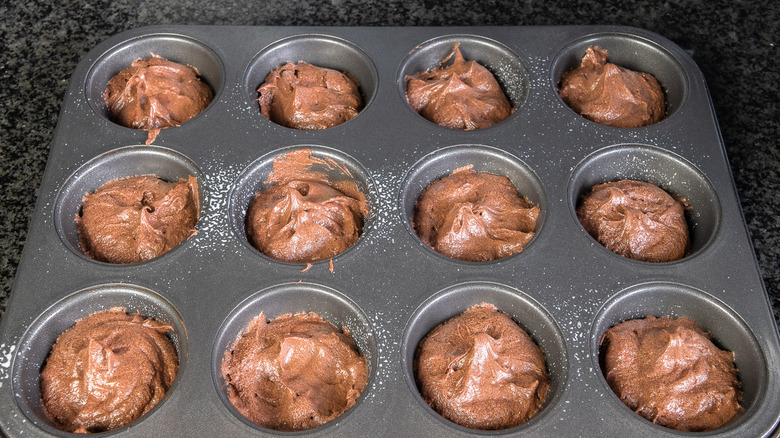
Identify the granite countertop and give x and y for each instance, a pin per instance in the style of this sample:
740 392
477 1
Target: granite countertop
734 44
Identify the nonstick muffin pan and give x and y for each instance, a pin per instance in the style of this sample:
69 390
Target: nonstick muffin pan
389 289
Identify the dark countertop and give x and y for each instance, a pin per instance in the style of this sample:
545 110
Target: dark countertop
734 44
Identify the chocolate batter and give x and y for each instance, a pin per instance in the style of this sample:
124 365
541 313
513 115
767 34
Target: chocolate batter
305 216
481 370
462 95
635 219
669 371
304 96
295 372
138 218
612 95
155 93
106 371
474 216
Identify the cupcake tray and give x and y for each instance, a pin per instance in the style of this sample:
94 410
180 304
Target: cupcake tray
389 289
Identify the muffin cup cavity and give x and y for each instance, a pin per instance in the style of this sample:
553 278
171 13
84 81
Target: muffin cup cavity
728 330
254 179
667 170
319 50
177 48
523 309
123 162
505 65
37 341
443 162
294 298
634 53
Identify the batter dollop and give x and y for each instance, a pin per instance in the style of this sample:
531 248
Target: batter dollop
636 219
669 371
304 96
306 216
295 372
462 95
138 218
474 216
154 93
482 370
107 370
611 95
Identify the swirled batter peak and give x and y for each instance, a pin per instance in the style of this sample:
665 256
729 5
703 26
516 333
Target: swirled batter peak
154 93
106 371
670 372
482 370
295 372
137 218
306 215
305 96
474 216
636 219
611 95
461 95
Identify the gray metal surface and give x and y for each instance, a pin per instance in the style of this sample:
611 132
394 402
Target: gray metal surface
389 289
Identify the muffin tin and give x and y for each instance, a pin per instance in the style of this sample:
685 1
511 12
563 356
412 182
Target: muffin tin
389 289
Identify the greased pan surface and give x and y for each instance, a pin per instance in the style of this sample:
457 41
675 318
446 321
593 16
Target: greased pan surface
389 289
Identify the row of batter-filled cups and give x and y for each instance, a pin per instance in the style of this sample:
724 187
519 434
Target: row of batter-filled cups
513 75
660 299
699 209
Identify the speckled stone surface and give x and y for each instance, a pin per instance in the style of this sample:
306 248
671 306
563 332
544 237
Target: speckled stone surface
735 43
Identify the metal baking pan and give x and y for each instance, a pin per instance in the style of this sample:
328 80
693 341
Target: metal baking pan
389 289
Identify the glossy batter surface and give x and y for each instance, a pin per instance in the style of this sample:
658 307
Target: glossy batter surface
137 218
669 371
304 96
294 372
611 95
106 371
482 370
306 215
154 93
636 219
461 95
474 216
